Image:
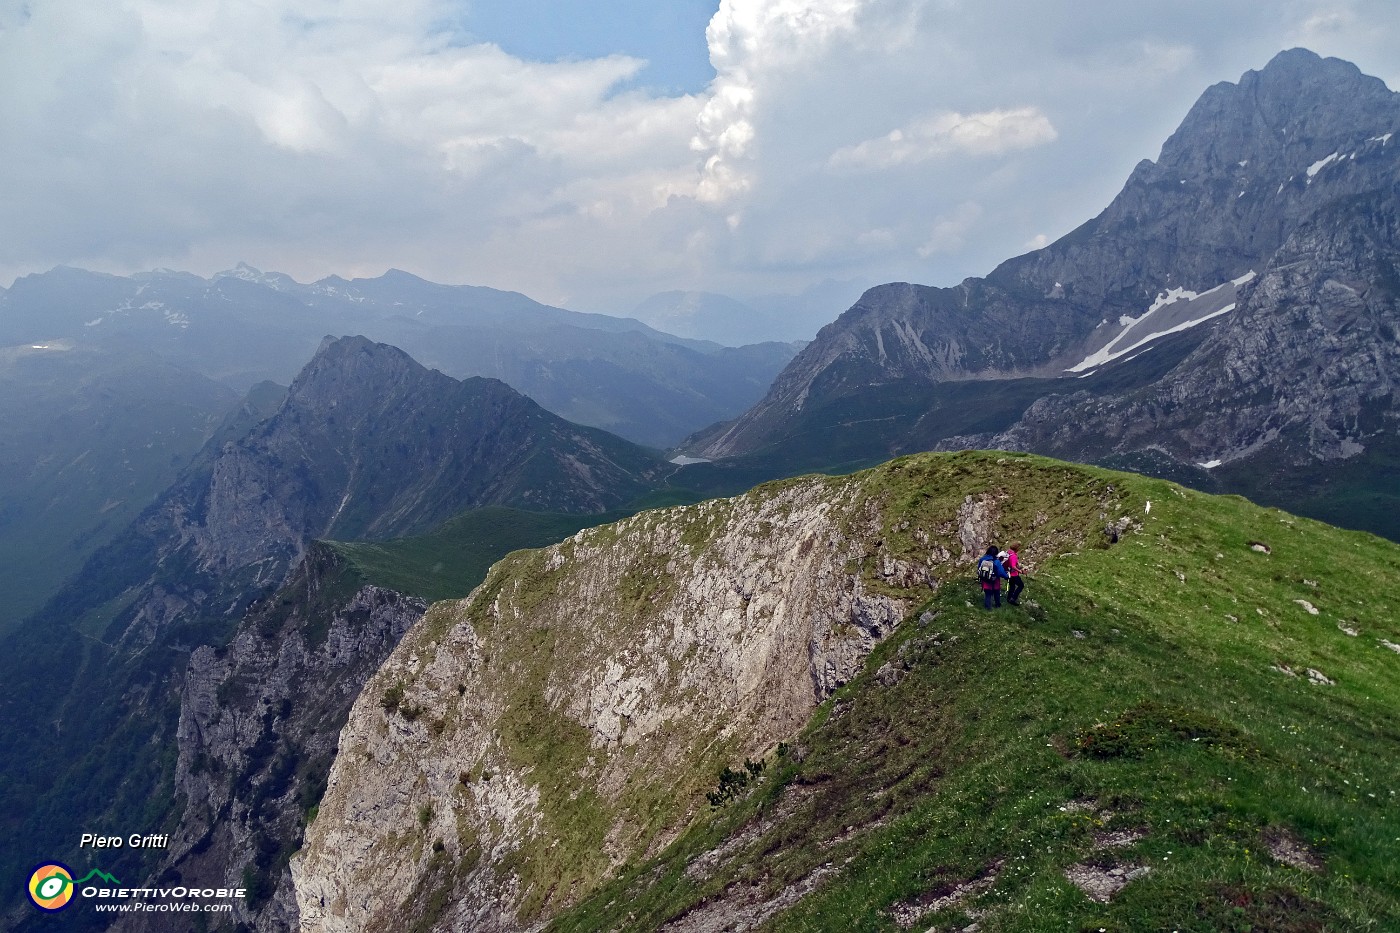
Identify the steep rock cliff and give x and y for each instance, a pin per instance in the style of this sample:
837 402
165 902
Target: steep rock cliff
1251 162
366 442
257 734
566 718
1306 368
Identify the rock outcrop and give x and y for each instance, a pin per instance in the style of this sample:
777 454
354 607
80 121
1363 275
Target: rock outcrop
1308 366
567 717
365 443
1257 171
257 733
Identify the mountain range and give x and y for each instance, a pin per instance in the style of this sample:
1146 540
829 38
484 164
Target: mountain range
1229 318
90 438
784 711
245 326
111 383
365 443
779 709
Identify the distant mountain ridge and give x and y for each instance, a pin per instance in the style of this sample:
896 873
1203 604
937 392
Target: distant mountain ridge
1250 162
1308 364
365 443
245 326
1276 194
785 711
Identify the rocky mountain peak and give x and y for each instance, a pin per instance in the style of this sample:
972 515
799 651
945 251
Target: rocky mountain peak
1299 106
1252 161
363 378
356 366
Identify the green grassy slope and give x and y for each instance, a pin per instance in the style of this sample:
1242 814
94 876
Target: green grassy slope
1135 712
1360 492
449 561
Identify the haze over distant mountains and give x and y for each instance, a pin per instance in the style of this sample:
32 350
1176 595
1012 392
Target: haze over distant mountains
723 319
1230 318
366 443
245 326
112 383
90 438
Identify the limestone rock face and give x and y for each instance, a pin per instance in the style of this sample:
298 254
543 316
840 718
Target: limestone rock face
1255 169
1308 364
257 734
365 443
570 715
567 715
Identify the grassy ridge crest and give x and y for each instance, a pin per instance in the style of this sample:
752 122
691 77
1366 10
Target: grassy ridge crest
1210 699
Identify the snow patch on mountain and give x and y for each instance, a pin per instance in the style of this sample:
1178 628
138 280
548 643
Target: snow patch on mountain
273 280
1320 164
1168 297
1175 310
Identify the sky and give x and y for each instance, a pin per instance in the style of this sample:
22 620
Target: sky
590 154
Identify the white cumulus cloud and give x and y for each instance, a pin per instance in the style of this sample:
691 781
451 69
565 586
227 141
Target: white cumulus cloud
992 132
869 140
754 44
312 136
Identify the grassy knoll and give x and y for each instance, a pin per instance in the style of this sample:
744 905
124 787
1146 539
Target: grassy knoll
1212 699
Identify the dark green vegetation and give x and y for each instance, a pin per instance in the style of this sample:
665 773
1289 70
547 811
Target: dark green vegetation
448 562
254 796
1360 492
1292 389
89 439
288 684
1150 705
862 426
366 443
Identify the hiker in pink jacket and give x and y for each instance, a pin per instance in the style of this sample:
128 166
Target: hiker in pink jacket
1013 570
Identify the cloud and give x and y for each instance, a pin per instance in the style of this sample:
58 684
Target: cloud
870 140
754 43
354 133
949 230
1327 20
992 132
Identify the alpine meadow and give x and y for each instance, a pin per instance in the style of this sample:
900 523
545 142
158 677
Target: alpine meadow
342 600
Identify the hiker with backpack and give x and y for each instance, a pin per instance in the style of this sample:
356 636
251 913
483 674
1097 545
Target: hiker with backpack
990 573
1015 584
